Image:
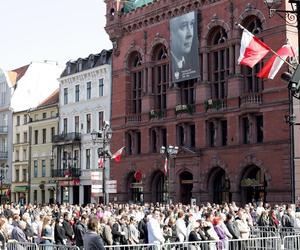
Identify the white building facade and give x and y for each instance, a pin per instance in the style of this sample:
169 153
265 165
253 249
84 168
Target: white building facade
5 136
84 103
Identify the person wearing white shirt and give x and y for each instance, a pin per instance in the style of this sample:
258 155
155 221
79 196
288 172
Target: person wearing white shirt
181 229
155 234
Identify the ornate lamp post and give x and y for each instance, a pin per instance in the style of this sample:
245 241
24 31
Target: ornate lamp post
169 153
103 138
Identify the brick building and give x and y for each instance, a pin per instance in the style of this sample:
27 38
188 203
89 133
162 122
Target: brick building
229 125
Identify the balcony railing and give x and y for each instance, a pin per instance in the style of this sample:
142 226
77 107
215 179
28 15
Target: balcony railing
251 99
136 118
3 129
184 108
65 137
67 172
3 155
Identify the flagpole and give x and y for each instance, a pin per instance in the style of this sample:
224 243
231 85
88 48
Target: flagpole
274 52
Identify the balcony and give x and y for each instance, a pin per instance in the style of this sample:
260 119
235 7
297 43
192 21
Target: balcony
3 129
184 108
214 105
157 114
66 138
67 172
251 100
3 155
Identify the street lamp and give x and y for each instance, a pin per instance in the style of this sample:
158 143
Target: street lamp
169 152
103 138
292 18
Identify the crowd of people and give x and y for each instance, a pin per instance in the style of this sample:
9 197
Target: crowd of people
94 226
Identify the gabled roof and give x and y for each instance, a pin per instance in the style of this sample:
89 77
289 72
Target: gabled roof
16 74
52 99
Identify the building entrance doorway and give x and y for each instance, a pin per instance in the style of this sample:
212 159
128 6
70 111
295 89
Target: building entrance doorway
186 187
253 185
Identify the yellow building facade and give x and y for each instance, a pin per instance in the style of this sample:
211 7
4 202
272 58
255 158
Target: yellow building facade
43 126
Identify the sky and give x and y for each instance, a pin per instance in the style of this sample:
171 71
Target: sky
54 30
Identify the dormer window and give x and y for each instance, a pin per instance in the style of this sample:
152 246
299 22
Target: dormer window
69 68
80 65
91 61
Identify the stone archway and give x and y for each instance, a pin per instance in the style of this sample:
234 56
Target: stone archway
159 187
186 187
253 184
219 186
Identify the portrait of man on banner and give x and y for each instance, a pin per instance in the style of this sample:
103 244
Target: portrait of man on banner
184 47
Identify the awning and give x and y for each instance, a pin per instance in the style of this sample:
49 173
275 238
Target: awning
20 189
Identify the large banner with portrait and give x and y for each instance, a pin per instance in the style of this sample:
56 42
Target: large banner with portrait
184 47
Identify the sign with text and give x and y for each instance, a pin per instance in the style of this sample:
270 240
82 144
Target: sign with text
111 186
97 190
96 176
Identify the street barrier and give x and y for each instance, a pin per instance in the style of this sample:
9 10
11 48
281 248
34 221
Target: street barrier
135 247
14 245
291 242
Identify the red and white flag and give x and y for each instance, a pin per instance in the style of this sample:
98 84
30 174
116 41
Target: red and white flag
101 162
272 67
166 166
118 154
252 49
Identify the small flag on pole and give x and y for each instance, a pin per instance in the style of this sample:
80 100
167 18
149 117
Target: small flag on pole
101 162
166 166
117 155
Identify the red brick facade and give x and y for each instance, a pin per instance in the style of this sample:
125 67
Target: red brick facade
234 170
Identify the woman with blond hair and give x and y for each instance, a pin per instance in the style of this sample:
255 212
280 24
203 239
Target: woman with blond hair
3 233
47 231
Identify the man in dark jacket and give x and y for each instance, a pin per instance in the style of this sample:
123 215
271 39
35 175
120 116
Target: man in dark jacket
232 227
142 227
18 232
68 227
91 239
80 229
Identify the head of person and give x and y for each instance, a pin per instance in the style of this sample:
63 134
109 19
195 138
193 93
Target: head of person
156 214
182 29
22 224
93 224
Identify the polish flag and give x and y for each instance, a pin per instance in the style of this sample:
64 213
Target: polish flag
252 49
272 67
101 162
166 166
118 154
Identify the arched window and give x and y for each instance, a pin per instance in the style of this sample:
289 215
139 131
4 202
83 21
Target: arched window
135 64
219 62
160 76
252 84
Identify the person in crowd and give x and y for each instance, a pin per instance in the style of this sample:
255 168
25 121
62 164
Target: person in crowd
106 231
242 224
133 231
288 219
47 232
117 232
273 220
155 235
68 227
232 226
142 227
18 232
181 228
263 220
3 233
223 243
91 239
80 229
59 232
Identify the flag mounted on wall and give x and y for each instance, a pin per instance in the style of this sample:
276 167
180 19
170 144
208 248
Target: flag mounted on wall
252 49
272 67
